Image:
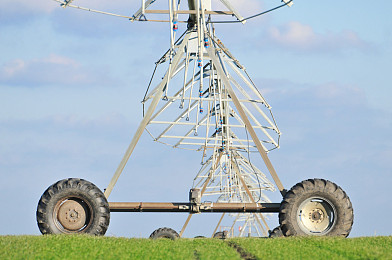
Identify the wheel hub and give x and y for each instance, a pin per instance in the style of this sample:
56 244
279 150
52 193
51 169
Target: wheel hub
72 215
316 216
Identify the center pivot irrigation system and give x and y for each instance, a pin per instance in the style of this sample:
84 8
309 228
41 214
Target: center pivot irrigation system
205 102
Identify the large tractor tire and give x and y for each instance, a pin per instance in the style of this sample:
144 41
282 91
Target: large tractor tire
165 233
221 234
276 232
316 207
73 206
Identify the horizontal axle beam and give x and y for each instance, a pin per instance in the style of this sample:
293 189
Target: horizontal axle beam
187 207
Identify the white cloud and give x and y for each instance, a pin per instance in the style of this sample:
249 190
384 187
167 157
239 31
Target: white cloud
23 6
60 60
111 121
12 68
17 12
53 69
295 34
47 6
298 36
328 99
22 11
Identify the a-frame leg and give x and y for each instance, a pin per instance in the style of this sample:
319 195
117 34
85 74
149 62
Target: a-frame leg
214 56
147 117
237 170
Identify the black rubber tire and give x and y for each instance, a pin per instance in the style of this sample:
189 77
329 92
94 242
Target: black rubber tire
89 196
164 233
276 232
221 234
328 193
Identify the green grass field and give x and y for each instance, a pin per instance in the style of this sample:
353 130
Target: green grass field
87 247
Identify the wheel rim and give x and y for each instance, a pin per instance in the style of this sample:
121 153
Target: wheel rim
316 216
72 215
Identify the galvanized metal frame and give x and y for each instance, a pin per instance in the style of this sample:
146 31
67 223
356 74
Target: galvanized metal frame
220 72
145 120
218 56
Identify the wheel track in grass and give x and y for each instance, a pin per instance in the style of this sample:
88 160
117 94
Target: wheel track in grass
196 255
243 253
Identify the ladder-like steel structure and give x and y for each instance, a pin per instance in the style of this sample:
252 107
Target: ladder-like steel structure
232 178
207 102
219 92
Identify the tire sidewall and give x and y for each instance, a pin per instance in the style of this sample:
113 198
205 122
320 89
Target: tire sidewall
336 204
167 234
164 233
54 224
276 232
98 207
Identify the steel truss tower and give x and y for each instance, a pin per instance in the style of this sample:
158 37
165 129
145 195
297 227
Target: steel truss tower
234 179
205 102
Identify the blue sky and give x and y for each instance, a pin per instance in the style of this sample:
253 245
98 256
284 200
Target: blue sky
71 83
